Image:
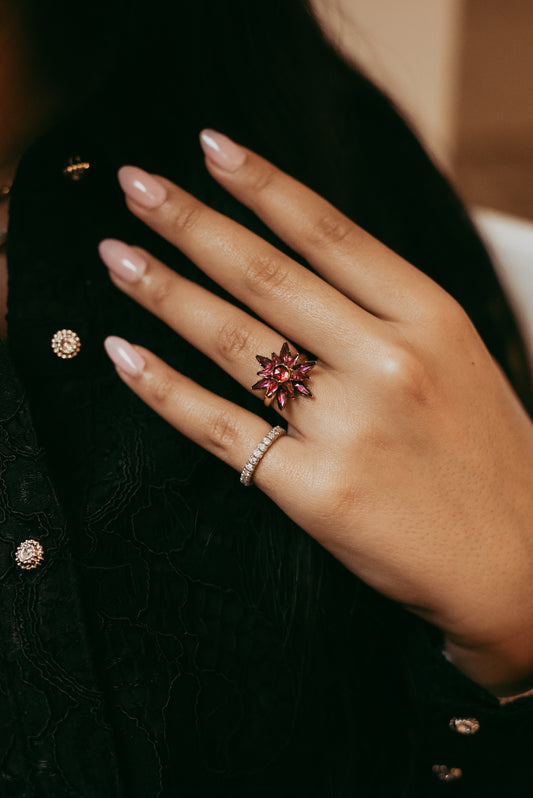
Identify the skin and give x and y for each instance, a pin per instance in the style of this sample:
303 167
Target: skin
414 457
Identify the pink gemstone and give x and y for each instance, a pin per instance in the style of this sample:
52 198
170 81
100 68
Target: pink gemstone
282 399
271 388
285 354
300 387
302 370
261 384
265 362
281 373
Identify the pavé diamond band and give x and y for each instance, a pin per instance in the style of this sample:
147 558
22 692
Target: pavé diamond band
258 453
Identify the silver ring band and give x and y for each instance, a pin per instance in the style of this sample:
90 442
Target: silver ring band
258 453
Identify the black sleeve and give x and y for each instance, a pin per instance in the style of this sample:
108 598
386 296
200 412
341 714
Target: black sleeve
471 744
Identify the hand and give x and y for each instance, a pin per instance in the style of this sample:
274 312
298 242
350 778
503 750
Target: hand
413 461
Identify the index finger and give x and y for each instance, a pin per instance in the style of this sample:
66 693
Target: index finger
350 259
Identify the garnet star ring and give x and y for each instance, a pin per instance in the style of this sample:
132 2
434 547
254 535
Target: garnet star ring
283 376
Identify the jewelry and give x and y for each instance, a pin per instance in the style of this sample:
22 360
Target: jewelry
283 376
5 191
258 453
66 344
29 555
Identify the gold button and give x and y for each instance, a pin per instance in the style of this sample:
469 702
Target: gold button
66 344
444 773
464 725
29 555
76 168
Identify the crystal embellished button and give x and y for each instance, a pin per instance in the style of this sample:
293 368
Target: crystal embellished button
464 725
444 773
66 344
76 169
29 555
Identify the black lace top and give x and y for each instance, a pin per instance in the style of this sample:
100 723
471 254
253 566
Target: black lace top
174 641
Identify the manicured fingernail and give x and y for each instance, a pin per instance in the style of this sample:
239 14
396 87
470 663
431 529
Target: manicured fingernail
124 355
141 187
222 150
123 260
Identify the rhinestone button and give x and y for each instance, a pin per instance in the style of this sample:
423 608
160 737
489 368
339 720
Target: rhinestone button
76 169
464 725
66 344
444 773
29 555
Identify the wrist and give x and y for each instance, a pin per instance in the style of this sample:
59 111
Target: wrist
504 668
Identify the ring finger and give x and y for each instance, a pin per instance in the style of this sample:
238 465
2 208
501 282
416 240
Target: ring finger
224 429
229 336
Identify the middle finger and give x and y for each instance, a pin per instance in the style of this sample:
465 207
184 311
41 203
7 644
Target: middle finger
283 292
226 334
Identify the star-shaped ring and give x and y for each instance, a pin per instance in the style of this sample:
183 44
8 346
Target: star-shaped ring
283 376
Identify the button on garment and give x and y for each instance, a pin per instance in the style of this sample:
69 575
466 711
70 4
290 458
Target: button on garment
29 555
464 725
76 168
66 344
446 774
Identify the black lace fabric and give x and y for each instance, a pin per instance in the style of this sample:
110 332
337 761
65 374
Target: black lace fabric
147 656
154 653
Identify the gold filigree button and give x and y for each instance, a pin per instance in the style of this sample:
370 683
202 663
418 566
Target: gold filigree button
444 773
29 555
76 169
66 344
464 725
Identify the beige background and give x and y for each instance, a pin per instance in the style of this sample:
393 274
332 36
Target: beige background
462 70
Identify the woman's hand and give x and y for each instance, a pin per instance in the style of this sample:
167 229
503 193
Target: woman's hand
412 462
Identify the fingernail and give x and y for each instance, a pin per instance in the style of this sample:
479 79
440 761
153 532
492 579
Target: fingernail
124 355
121 259
222 150
141 187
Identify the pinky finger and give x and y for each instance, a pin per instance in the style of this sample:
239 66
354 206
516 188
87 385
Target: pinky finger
221 427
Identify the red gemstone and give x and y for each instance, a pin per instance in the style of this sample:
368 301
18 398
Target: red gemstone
281 373
281 396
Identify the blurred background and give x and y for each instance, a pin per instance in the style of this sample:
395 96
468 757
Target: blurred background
462 71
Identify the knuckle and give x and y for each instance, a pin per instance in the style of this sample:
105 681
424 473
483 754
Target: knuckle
332 228
407 375
184 219
232 340
263 275
222 432
162 389
161 291
263 179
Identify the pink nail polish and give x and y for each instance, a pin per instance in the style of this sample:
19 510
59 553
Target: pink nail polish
123 260
141 187
124 355
222 150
